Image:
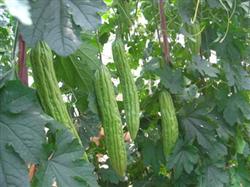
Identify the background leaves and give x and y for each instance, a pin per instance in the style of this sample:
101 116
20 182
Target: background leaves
52 22
22 132
21 121
210 92
61 162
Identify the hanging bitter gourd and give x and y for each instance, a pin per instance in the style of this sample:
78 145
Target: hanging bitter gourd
41 58
169 122
111 120
129 90
194 42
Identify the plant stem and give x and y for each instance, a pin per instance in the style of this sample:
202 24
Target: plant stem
164 32
196 12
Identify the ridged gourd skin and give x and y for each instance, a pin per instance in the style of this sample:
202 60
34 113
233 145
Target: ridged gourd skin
170 131
46 83
111 120
129 90
195 30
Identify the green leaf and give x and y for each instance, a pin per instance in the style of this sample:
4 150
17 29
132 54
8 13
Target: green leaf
21 121
236 76
246 7
17 101
109 175
150 104
240 143
200 124
240 175
6 76
213 176
77 70
224 131
152 181
63 163
229 49
56 21
221 96
171 79
184 158
186 9
236 109
77 74
203 67
89 126
214 4
13 171
190 93
85 12
185 180
153 160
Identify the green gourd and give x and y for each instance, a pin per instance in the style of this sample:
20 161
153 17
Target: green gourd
46 83
129 90
111 120
195 31
170 131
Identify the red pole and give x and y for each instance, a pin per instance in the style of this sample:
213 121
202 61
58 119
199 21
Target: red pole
164 32
22 68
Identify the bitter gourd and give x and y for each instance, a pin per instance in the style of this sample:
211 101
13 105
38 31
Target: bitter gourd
129 90
45 80
111 120
195 31
169 122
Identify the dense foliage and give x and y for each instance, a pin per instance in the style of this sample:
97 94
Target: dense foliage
197 50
